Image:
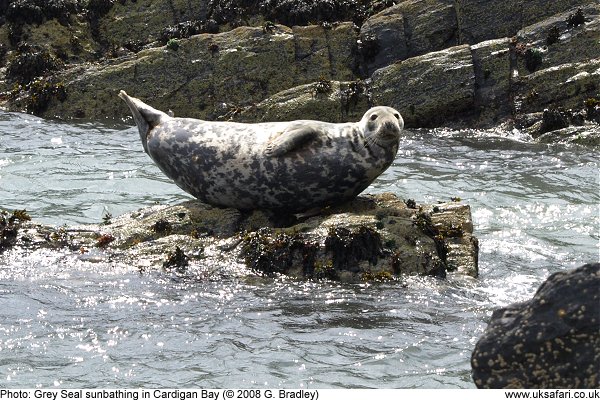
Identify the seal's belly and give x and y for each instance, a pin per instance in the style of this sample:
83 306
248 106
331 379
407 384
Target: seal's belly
232 170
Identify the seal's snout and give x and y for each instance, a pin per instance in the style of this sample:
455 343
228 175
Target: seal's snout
390 130
391 126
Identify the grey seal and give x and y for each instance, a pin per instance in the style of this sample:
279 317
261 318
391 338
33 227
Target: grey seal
288 166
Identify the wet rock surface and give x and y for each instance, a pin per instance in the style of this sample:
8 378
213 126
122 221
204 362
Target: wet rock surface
374 237
550 341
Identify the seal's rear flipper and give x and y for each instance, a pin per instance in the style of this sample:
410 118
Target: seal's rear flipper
145 117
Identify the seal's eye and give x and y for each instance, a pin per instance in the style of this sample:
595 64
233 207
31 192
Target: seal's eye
373 117
397 116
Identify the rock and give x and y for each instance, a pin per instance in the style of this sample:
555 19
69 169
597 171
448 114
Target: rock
430 25
571 45
550 341
481 20
374 237
429 88
566 72
492 65
209 75
331 101
408 29
382 41
587 135
533 11
144 20
412 56
565 85
326 52
73 42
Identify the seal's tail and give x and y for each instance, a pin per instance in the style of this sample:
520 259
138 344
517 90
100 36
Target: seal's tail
145 117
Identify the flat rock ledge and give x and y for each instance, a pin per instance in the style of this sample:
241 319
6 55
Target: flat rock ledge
372 238
551 341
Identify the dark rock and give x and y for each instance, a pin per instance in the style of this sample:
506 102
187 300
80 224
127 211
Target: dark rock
592 109
554 119
98 8
24 11
576 19
533 59
553 35
550 341
9 227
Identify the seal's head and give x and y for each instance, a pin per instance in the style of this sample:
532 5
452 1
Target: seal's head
382 125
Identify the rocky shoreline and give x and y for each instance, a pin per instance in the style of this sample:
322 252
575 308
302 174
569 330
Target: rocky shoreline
523 65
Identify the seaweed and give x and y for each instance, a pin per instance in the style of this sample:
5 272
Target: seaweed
41 92
533 59
410 203
162 227
186 29
323 86
177 260
353 93
295 12
104 240
277 252
348 248
592 109
107 219
173 44
29 63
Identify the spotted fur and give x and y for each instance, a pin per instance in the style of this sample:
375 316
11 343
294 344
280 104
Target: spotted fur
291 166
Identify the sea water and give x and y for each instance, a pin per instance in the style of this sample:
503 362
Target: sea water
70 324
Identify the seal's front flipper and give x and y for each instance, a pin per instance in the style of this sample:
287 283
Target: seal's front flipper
292 138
